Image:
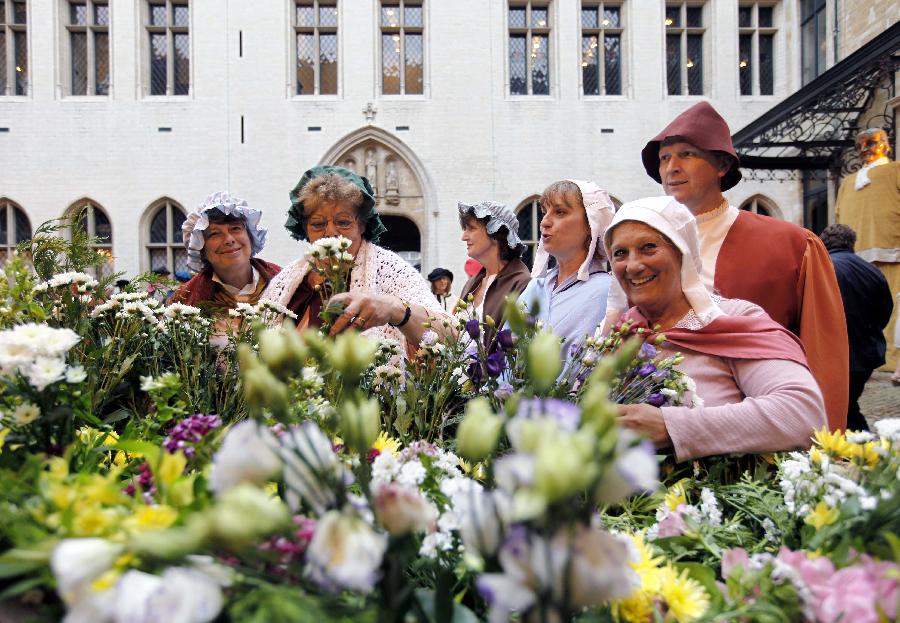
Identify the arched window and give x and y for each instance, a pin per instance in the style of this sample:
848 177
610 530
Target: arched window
165 250
14 228
761 205
529 215
94 220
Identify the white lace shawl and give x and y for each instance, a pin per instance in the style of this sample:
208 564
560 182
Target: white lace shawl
377 270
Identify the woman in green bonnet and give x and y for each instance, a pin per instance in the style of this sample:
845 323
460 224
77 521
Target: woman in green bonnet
388 298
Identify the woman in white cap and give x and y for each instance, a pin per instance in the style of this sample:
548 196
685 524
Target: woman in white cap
491 233
571 297
222 237
757 391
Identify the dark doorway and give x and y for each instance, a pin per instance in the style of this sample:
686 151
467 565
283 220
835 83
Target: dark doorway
403 238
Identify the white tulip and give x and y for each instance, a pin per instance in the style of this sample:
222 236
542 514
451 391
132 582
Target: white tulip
345 553
247 455
78 562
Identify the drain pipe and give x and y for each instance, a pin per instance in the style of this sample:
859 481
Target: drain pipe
835 32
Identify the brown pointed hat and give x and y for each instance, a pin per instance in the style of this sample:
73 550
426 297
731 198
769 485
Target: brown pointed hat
701 126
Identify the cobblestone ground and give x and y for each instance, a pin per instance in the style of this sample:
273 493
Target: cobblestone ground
880 399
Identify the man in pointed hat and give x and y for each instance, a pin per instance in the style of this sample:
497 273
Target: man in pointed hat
781 267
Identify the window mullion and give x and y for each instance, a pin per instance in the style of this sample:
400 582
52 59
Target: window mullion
89 47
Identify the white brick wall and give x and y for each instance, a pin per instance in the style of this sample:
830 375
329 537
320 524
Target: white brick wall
474 140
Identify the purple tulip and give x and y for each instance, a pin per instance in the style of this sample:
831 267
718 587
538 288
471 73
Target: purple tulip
495 363
473 328
648 351
474 372
657 400
505 339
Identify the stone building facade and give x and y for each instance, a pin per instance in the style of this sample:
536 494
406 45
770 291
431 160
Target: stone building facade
140 108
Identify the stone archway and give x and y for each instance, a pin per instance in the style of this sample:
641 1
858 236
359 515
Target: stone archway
402 186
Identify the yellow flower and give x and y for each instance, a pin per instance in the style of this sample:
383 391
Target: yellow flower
3 433
61 495
816 455
146 518
272 489
821 516
385 443
864 454
171 467
834 444
647 565
685 598
106 581
92 521
636 608
100 490
676 495
59 467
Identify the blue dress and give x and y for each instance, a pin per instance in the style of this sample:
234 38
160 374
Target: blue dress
574 308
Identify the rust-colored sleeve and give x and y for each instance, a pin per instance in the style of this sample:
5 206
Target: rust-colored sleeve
823 330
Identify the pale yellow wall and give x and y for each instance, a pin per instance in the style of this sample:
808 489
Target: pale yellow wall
859 21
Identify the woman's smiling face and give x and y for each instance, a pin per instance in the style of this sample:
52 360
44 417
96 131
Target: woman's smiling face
647 266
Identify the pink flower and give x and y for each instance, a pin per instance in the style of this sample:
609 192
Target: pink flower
672 524
736 558
849 595
814 573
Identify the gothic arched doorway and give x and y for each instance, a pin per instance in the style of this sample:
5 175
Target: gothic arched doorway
403 238
402 189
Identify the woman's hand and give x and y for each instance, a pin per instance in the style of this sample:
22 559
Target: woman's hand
364 310
647 420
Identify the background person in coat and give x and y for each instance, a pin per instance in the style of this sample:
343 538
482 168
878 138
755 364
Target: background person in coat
867 304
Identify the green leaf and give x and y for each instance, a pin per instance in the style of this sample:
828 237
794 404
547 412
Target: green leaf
117 415
134 446
21 586
460 614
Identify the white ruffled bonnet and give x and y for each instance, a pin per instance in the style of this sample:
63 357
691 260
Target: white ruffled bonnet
498 216
197 221
600 210
677 223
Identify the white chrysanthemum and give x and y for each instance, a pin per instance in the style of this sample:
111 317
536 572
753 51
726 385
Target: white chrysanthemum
180 309
412 473
56 342
709 507
75 374
26 413
888 429
45 371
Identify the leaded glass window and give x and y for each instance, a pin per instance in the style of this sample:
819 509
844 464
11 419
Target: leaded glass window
813 38
13 47
169 47
685 30
756 48
316 45
529 215
529 47
14 228
402 47
165 249
601 48
88 60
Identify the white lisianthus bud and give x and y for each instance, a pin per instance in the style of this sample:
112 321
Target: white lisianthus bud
564 465
246 513
479 430
351 354
360 424
544 361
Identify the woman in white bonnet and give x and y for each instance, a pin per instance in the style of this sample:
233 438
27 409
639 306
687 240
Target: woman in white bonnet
222 237
571 297
757 392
